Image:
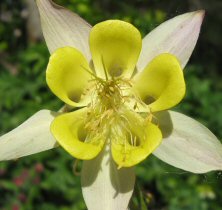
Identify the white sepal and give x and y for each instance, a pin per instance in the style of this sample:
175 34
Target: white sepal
62 28
32 136
187 144
177 36
104 186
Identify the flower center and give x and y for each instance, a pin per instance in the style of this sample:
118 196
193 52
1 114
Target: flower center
112 115
107 105
109 117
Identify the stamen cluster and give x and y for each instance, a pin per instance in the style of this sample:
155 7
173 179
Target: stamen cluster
106 118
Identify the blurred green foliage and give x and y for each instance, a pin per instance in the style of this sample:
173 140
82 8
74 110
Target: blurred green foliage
46 181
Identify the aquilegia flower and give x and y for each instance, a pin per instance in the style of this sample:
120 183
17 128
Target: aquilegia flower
114 98
121 87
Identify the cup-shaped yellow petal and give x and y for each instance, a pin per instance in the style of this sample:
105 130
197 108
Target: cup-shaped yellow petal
144 137
115 45
161 84
66 76
68 129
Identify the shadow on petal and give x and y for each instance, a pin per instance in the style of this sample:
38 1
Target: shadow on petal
104 185
165 123
189 146
55 114
122 179
91 168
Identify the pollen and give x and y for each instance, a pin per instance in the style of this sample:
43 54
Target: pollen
111 117
107 117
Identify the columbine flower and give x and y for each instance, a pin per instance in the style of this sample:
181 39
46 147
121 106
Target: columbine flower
119 84
114 98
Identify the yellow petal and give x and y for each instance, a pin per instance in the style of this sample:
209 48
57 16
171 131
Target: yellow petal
131 151
116 45
161 84
67 77
69 131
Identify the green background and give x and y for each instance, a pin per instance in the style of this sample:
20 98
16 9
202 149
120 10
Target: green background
46 181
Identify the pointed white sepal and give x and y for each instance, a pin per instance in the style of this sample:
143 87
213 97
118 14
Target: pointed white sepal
30 137
187 144
104 186
62 28
177 36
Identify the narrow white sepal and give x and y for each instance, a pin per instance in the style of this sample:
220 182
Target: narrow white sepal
104 186
62 27
177 36
187 144
30 137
